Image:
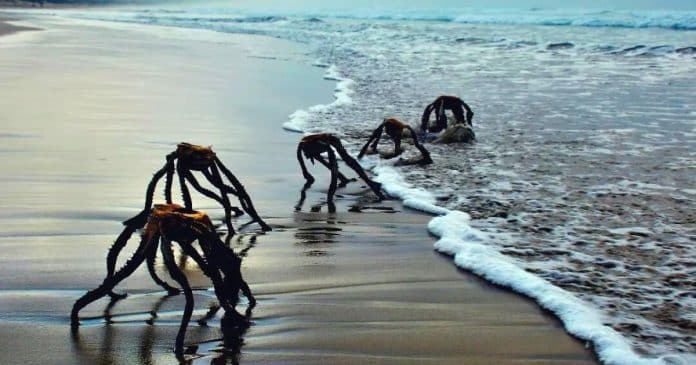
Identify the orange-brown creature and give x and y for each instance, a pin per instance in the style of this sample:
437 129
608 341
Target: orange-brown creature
442 103
183 161
395 130
169 223
313 146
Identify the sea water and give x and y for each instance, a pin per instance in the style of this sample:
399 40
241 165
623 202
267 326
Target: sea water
579 191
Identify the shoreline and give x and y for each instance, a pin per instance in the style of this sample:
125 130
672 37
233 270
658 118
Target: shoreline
308 278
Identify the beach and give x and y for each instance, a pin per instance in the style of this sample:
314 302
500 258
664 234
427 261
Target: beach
89 110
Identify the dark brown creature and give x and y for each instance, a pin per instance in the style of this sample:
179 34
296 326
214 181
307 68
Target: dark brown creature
442 103
169 223
184 160
313 146
395 130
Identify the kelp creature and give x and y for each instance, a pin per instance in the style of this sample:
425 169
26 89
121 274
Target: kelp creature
439 106
395 130
183 161
168 223
313 146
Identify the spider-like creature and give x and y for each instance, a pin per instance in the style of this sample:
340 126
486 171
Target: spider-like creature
313 146
190 157
395 130
184 160
169 223
442 103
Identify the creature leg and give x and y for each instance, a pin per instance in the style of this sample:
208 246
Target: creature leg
423 151
397 145
179 276
185 194
140 219
344 180
459 114
151 256
441 118
223 201
244 198
110 281
376 134
332 186
192 179
425 119
353 164
168 181
115 249
305 173
469 114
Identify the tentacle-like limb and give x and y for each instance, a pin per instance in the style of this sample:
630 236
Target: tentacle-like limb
458 112
209 269
224 201
343 179
469 114
426 155
185 194
212 311
376 135
140 219
110 281
217 182
300 159
168 180
180 278
440 116
115 249
333 165
352 163
303 196
151 257
425 119
247 204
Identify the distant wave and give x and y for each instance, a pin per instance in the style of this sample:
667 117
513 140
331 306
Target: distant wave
676 20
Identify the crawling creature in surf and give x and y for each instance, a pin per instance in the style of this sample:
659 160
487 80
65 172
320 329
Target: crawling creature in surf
313 146
168 223
395 130
183 161
446 102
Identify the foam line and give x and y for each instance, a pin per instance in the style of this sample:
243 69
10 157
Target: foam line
467 246
299 120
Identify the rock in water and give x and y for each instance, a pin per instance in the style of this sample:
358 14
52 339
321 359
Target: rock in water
456 133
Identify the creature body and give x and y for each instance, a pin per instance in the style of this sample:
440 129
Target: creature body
395 130
169 223
185 159
442 103
313 146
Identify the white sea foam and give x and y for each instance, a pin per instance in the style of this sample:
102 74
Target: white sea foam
299 120
471 251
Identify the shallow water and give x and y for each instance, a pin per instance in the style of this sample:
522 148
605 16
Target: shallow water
583 172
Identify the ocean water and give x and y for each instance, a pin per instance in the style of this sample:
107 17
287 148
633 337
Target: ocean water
580 190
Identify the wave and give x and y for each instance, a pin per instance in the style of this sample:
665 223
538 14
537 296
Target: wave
675 20
299 119
469 249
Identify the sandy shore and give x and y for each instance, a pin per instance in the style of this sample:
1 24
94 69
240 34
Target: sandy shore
88 113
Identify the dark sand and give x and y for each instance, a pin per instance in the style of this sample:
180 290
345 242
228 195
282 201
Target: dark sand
7 28
87 115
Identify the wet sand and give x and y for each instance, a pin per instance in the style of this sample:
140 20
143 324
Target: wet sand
7 28
88 113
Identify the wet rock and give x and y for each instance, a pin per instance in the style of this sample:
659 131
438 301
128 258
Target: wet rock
456 134
562 45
